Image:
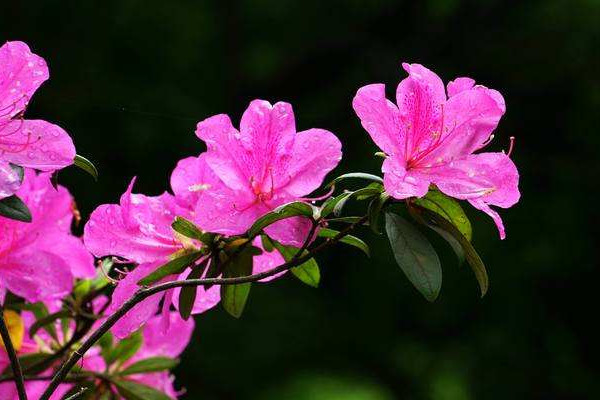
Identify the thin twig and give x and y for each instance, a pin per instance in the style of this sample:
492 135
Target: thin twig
12 355
144 293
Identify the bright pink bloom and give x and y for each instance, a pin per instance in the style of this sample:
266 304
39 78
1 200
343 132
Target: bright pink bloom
430 139
28 143
139 230
247 173
39 260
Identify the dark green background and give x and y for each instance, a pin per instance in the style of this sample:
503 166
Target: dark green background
130 79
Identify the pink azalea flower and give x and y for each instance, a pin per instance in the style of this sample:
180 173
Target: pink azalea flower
139 230
247 173
28 143
39 260
430 138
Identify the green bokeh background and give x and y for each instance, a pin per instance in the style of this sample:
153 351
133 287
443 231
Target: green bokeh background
130 79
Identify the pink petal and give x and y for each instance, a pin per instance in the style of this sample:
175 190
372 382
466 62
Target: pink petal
469 119
139 229
71 250
225 151
158 343
291 231
162 381
21 74
142 312
315 153
218 208
35 275
460 85
483 179
380 118
267 134
480 204
9 180
205 299
420 98
266 261
402 184
36 144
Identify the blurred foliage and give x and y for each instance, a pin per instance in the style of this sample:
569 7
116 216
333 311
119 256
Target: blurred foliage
130 79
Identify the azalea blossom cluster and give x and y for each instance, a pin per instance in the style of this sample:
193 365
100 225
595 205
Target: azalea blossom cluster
116 303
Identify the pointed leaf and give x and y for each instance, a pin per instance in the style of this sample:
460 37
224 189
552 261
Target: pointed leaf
190 230
13 207
448 208
136 391
348 239
415 255
473 259
152 364
86 165
374 211
355 175
294 209
174 266
126 348
187 296
308 272
234 297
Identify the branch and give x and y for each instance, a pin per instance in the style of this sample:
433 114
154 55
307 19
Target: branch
144 293
12 355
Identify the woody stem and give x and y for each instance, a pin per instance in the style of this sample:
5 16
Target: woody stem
12 356
144 293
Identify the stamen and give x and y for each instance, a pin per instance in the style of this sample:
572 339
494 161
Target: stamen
511 146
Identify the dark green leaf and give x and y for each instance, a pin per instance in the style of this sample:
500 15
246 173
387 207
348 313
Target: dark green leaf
174 266
355 175
187 297
126 348
136 391
106 344
267 243
190 230
336 204
375 208
448 208
214 268
294 209
13 207
346 220
415 255
153 364
86 165
308 272
234 297
348 239
442 224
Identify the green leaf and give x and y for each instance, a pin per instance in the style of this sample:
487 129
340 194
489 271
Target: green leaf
126 348
174 266
47 322
294 209
374 211
136 391
442 224
190 230
267 243
346 220
152 364
415 256
187 296
234 297
336 204
215 268
308 272
13 207
448 208
355 175
348 239
106 344
86 165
